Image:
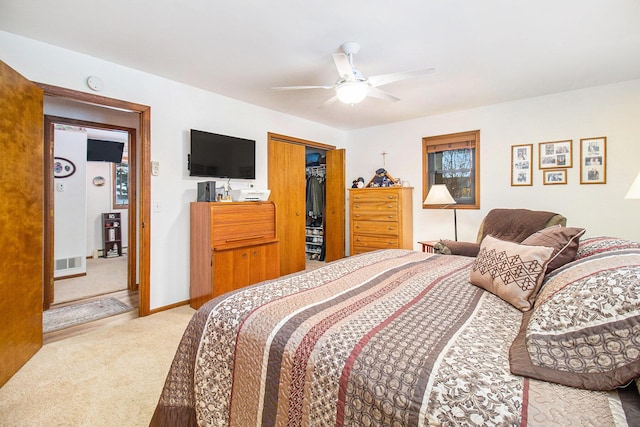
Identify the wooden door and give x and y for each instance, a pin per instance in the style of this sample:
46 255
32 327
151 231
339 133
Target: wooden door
335 205
265 263
21 192
286 180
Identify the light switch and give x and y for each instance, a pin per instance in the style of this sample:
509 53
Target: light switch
157 207
59 186
155 168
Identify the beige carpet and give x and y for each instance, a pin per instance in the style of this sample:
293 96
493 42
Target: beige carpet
109 377
104 275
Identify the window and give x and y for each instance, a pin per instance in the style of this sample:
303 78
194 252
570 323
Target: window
120 185
453 160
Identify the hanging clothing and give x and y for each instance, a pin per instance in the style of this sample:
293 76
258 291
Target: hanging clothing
315 197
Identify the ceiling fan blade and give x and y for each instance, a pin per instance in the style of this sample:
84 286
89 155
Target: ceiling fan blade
300 87
343 66
385 79
374 92
329 102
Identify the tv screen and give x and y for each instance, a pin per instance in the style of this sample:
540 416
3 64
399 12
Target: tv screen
221 156
104 151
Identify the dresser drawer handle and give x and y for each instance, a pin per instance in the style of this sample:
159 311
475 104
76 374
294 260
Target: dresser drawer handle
357 215
390 228
357 206
390 197
390 243
390 206
390 216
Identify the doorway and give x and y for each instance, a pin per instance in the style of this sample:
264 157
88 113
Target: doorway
140 190
90 170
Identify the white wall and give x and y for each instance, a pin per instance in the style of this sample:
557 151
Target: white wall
612 111
70 198
175 108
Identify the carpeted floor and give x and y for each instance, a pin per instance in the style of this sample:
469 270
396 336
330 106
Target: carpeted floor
108 377
104 275
76 314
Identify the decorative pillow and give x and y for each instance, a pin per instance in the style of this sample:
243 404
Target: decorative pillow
512 271
600 244
563 240
584 330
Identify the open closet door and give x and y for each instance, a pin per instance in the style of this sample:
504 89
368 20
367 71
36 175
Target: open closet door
286 175
21 190
335 205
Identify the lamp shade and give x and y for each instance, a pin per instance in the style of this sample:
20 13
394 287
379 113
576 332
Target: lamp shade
439 195
352 92
634 190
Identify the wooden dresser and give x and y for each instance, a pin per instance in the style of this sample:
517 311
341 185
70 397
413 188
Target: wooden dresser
381 218
232 245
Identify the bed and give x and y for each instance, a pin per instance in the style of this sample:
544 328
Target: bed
402 338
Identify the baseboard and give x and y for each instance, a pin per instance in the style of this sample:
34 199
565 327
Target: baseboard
169 307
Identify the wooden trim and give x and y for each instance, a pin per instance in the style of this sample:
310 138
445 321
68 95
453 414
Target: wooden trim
452 138
47 221
71 276
144 185
293 140
169 307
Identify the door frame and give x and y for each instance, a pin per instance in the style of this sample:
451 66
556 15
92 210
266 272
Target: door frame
143 227
49 198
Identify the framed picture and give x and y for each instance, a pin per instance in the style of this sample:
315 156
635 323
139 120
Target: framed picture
521 164
554 155
554 176
593 160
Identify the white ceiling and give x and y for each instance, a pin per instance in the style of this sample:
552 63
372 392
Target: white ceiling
485 52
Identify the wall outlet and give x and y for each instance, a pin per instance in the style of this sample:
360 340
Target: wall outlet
155 168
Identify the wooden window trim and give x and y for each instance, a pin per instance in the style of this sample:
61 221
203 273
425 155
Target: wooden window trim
453 141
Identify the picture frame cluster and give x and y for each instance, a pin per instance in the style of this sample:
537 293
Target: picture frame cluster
556 157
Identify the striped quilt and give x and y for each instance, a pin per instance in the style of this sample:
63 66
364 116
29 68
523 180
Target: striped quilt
393 338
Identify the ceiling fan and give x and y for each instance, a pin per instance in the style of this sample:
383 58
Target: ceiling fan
352 86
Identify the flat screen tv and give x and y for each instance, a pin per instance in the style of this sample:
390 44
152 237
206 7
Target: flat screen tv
221 156
104 151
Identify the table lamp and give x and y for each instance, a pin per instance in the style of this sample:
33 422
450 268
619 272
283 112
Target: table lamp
439 195
634 190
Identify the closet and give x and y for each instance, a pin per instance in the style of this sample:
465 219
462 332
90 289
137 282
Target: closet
316 171
287 180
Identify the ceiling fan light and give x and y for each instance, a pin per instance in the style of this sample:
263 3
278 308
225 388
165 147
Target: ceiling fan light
352 92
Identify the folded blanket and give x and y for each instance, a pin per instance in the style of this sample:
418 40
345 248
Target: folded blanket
451 247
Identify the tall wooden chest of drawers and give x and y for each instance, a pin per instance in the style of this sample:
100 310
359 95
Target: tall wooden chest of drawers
233 245
381 218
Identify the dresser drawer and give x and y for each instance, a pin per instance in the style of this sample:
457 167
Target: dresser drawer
242 223
375 195
375 242
375 227
382 206
375 216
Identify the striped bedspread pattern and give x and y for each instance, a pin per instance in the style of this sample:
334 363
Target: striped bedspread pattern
396 337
